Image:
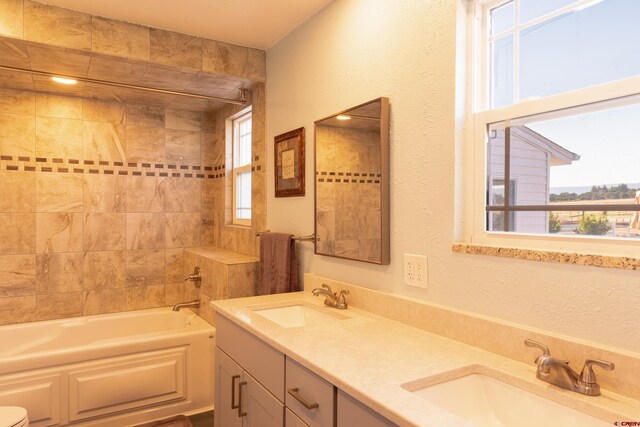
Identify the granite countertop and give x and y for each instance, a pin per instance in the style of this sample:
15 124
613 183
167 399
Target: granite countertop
372 358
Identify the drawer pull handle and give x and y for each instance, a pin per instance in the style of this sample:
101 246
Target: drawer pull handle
240 412
296 395
233 392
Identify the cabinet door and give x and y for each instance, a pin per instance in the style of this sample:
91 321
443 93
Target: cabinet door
228 378
261 407
351 412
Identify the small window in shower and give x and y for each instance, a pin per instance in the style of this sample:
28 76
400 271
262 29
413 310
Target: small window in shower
241 148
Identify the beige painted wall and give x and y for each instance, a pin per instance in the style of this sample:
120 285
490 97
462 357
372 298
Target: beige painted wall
357 50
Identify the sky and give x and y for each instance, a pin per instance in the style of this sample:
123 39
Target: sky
597 44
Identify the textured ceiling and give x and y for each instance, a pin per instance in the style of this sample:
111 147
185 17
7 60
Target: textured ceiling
253 23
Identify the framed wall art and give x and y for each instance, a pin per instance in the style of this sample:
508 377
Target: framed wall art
289 163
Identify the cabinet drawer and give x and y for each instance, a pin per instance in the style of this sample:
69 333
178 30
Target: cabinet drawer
291 420
308 396
262 361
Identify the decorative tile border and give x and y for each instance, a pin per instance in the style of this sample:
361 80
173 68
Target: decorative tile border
95 167
626 263
348 177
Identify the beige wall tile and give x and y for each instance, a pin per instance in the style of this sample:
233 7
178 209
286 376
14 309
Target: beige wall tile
17 191
58 192
58 138
120 38
59 232
243 279
17 135
65 107
145 115
213 148
58 273
146 267
104 231
54 25
105 301
17 101
58 306
141 297
103 141
225 58
183 120
183 195
103 111
183 230
17 310
104 270
175 293
175 266
178 49
17 275
60 61
183 147
11 18
145 144
19 233
257 65
104 193
145 231
145 194
211 197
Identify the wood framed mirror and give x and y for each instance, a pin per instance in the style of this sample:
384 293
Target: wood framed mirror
352 183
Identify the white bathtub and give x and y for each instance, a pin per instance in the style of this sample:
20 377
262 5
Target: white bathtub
111 370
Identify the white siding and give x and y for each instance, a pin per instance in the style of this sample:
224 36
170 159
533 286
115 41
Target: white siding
530 169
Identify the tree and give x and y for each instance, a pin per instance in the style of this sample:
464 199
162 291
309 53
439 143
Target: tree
554 223
594 225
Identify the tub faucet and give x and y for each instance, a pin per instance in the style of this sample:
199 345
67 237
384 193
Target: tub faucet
194 277
558 372
195 304
331 298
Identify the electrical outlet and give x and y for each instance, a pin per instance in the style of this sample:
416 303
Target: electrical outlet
415 270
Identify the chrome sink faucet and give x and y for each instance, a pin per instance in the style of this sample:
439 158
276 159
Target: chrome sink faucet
558 372
331 298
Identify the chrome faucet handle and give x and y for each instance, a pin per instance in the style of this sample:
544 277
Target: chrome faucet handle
587 376
536 344
327 287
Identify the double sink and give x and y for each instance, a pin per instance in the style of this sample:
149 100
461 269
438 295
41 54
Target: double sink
476 397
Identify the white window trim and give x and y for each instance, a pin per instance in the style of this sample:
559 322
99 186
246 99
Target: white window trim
235 121
479 117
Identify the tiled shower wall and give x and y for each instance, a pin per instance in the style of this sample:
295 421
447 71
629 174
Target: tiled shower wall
98 201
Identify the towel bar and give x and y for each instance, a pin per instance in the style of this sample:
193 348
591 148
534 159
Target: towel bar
309 238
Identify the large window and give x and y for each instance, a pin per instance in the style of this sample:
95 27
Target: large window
556 121
241 136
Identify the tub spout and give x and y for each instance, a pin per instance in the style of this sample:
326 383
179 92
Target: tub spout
194 304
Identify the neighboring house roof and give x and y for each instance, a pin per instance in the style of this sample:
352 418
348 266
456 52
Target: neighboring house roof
559 154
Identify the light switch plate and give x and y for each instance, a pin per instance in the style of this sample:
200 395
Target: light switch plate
415 271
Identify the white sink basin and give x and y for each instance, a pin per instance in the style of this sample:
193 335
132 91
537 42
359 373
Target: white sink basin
297 314
487 402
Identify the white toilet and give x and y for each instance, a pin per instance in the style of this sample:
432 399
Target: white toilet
13 416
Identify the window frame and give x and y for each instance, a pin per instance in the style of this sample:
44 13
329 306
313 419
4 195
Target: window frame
234 123
480 115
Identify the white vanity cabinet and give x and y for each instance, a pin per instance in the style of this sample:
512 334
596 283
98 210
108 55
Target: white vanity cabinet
249 379
257 386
